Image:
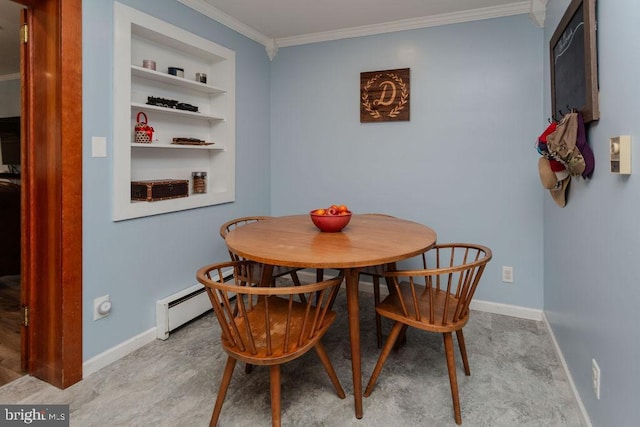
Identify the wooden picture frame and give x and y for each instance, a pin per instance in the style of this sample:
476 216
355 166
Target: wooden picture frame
573 62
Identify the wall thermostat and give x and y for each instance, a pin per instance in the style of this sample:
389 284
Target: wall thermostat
620 154
104 308
101 307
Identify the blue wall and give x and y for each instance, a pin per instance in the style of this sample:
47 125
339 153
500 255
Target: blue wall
464 164
140 261
591 247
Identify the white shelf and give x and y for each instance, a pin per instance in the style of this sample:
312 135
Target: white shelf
157 76
175 112
139 36
157 145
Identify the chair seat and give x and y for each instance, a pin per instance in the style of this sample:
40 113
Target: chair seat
279 308
391 307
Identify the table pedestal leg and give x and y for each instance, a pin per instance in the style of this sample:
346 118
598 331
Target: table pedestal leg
352 277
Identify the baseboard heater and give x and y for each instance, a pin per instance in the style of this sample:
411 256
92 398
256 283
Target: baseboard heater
182 307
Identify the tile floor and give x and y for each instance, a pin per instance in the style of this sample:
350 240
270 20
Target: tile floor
516 380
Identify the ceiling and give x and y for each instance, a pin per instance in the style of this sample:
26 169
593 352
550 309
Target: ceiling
279 23
278 19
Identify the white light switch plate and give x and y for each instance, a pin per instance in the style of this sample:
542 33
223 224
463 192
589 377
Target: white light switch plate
98 146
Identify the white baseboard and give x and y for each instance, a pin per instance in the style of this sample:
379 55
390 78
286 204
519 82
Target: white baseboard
583 410
507 310
490 307
119 351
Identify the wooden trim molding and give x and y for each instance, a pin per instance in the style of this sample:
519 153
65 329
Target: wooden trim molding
52 190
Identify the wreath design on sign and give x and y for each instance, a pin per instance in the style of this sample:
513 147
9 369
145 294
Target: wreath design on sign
404 96
365 97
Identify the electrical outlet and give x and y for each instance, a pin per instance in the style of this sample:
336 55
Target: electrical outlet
507 274
595 378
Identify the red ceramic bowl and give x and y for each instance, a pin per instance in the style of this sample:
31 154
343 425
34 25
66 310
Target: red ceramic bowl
330 223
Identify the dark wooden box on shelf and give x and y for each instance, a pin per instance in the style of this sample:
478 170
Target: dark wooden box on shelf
159 189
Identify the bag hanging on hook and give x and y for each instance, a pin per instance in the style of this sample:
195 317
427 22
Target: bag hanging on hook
144 132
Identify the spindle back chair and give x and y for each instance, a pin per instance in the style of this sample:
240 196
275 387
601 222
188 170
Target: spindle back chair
268 325
277 270
435 299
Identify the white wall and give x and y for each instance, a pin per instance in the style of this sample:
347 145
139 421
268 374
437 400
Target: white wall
592 246
464 164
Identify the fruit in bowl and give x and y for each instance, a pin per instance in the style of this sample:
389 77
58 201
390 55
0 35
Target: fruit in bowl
331 219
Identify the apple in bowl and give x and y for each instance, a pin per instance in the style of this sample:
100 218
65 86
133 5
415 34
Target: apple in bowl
332 219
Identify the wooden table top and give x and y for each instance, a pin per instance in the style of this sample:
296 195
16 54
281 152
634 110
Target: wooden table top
294 241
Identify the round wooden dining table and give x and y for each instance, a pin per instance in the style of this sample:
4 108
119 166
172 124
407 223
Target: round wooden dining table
368 240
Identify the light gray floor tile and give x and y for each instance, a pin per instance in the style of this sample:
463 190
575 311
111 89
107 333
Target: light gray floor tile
516 380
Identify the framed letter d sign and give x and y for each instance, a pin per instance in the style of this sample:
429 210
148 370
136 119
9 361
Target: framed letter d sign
384 96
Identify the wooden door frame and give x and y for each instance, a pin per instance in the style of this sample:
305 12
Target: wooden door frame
51 166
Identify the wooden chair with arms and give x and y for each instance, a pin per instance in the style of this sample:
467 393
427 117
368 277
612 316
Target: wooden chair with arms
435 299
277 271
266 325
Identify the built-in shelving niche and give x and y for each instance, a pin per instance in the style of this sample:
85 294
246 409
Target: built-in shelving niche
139 37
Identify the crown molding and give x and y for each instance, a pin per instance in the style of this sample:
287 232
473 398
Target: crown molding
217 15
518 8
538 11
7 77
535 9
272 49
